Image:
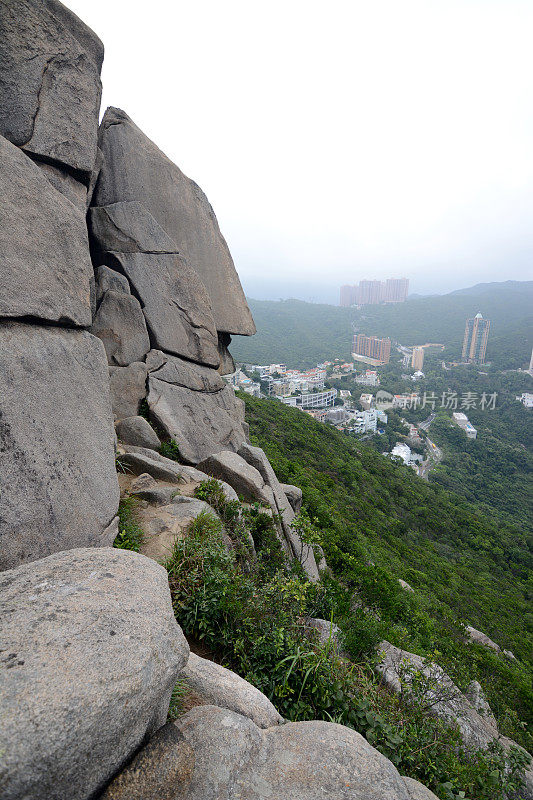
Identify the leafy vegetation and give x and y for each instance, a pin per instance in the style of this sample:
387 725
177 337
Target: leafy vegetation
130 534
301 334
380 522
252 620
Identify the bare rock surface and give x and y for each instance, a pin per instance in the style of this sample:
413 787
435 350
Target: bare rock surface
175 370
119 323
166 762
246 480
59 484
108 279
50 86
480 638
293 495
128 228
475 695
137 431
175 304
418 791
128 388
140 460
45 264
303 760
223 688
227 364
201 423
163 525
136 170
94 652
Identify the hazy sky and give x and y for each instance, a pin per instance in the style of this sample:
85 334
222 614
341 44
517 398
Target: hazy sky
344 139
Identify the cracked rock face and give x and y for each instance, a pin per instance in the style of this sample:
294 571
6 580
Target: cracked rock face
136 170
195 407
44 251
50 86
59 486
93 652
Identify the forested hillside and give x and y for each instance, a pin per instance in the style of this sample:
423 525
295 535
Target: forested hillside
379 522
302 334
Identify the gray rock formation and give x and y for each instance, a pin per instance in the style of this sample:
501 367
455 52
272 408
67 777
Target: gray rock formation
293 495
49 82
405 585
109 280
417 791
475 695
59 486
94 652
139 460
119 323
137 431
443 699
43 244
200 422
128 388
227 364
327 633
245 479
164 524
303 760
136 170
480 638
221 687
165 763
128 228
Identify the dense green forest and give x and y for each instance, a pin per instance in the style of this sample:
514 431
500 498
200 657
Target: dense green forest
378 519
303 334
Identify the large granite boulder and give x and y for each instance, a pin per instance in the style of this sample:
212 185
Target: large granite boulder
478 637
136 170
245 479
417 791
166 762
128 389
221 687
92 652
137 431
59 484
50 86
44 250
303 760
119 323
195 407
173 298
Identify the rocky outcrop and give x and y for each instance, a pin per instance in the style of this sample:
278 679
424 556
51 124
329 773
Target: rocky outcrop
475 695
137 431
50 83
221 687
293 495
128 389
231 757
417 791
194 406
59 486
478 637
91 652
44 248
136 170
441 698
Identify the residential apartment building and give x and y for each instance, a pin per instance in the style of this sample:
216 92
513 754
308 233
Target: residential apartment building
371 349
369 378
393 290
475 340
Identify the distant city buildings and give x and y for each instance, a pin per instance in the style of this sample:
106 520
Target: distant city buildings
406 400
393 290
239 380
417 359
313 400
464 423
475 340
371 350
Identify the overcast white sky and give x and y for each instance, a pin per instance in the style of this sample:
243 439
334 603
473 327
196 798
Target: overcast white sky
340 139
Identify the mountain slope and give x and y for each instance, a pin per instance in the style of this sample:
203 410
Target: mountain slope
298 333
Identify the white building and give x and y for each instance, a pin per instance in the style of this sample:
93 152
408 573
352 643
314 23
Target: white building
365 421
405 400
369 378
314 400
464 423
367 401
402 451
526 398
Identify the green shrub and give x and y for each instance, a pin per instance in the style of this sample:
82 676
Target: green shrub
170 450
130 534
